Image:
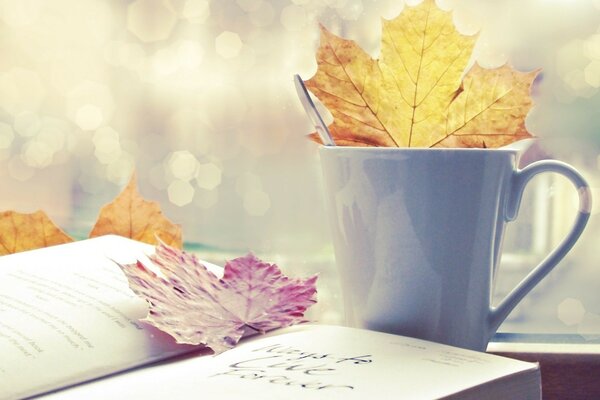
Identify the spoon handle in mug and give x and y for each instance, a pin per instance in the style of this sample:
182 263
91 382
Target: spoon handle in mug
311 111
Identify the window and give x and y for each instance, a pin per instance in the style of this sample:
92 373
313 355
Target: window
197 97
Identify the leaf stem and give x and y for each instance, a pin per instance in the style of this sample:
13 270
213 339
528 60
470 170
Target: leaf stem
414 105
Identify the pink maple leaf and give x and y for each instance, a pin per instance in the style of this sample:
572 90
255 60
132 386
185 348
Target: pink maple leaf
196 307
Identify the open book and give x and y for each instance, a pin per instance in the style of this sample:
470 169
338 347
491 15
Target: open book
67 317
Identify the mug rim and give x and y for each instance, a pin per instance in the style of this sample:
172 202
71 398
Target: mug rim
374 149
517 148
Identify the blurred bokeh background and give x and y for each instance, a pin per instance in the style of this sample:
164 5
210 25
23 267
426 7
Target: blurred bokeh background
197 97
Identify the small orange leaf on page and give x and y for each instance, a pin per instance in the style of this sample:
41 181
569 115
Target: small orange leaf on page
131 216
21 232
415 94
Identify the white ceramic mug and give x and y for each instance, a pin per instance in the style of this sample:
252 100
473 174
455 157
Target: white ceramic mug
418 232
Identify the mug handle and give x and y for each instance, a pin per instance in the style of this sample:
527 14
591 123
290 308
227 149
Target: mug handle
520 180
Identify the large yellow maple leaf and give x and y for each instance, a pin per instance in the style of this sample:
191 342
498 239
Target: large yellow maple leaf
415 94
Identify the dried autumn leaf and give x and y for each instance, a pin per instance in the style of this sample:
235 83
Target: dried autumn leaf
195 307
21 232
131 216
413 95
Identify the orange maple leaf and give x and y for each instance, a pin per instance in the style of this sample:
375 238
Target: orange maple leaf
128 215
415 95
21 232
131 216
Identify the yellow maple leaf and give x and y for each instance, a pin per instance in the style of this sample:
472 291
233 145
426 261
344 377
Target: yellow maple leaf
131 216
415 95
21 232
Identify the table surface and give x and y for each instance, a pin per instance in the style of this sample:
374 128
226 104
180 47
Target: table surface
570 364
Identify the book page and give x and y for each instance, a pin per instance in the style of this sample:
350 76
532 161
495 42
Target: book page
311 362
67 315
